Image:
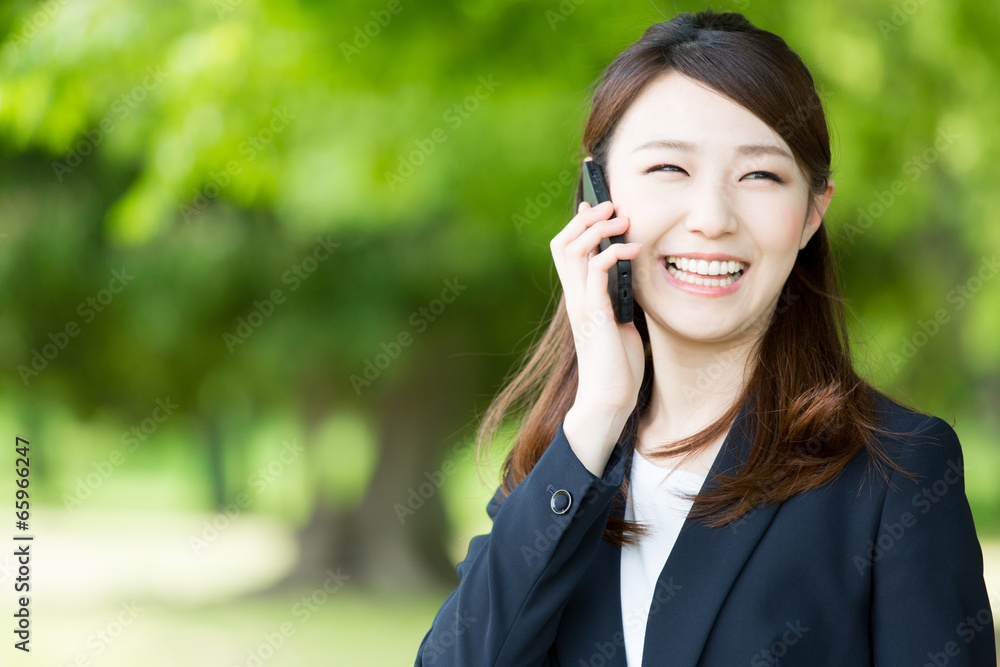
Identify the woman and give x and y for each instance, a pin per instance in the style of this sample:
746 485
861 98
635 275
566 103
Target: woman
713 484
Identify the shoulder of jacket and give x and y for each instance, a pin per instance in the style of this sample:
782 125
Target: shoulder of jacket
918 442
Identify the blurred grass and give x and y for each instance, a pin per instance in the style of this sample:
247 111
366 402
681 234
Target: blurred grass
351 628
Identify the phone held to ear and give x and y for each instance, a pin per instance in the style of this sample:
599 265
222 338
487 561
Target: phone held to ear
595 191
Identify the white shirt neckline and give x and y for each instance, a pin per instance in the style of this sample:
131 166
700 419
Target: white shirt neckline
653 499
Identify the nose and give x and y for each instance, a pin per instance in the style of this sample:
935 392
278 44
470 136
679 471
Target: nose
710 210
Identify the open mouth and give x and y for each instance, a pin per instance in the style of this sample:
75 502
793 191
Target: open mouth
709 273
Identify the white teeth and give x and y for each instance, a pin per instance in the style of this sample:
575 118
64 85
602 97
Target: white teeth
696 271
705 268
696 279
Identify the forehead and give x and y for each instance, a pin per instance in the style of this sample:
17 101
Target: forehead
676 107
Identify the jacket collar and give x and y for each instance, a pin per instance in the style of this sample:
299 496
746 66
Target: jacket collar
701 569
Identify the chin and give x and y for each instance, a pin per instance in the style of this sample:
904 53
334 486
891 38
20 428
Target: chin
688 329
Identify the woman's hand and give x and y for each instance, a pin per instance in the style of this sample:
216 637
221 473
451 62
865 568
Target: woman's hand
609 355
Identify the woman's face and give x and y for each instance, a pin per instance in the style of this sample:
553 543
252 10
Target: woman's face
719 204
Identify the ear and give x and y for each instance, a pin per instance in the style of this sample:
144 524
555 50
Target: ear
817 209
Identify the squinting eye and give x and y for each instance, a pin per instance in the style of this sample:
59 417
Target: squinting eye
767 174
663 167
756 174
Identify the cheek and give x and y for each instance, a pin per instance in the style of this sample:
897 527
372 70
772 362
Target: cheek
634 199
646 273
778 230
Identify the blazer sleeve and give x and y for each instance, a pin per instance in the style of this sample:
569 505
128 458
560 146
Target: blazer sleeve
929 598
515 581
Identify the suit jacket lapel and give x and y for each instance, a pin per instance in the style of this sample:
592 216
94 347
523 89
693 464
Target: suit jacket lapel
702 567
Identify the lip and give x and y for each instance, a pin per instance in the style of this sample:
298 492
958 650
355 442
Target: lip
705 290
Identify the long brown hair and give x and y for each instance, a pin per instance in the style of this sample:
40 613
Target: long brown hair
809 410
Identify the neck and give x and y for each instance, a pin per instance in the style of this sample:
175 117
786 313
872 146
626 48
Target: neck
695 383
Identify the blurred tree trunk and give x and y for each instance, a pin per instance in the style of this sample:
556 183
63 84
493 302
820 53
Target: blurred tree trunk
396 538
215 463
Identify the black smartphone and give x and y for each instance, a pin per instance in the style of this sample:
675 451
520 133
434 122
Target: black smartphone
595 191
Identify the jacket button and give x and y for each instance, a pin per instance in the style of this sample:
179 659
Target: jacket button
561 501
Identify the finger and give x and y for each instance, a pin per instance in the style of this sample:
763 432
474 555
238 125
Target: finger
593 235
571 261
581 221
570 266
604 210
599 266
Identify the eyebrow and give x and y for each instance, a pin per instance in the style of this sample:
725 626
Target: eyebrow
752 150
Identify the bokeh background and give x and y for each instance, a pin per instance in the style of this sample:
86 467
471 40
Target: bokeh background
265 263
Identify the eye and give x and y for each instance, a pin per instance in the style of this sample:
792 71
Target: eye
663 167
767 175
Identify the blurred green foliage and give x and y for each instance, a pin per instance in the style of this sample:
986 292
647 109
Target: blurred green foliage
290 183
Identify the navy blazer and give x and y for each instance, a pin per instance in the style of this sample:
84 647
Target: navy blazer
844 575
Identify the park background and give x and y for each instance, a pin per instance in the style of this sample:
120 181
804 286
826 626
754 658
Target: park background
216 216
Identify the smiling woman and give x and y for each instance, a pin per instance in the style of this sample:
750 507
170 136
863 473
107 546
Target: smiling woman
686 488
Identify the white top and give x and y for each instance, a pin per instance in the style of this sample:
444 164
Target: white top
653 500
